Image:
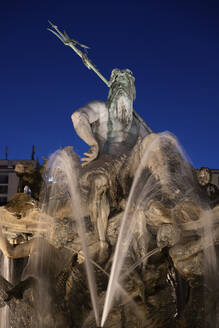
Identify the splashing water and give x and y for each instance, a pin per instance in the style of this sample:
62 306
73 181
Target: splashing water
124 239
210 263
64 173
176 180
6 273
121 290
135 265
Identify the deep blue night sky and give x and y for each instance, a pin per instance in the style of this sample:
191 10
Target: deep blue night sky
172 47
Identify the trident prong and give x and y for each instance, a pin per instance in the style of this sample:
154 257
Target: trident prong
58 36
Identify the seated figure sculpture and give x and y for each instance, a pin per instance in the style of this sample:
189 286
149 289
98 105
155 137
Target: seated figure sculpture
114 135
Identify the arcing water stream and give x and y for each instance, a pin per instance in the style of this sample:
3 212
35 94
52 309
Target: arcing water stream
6 273
178 181
64 172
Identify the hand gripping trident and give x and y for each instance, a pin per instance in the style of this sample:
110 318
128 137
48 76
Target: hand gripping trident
87 62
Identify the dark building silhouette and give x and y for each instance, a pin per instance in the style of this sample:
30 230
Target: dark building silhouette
215 177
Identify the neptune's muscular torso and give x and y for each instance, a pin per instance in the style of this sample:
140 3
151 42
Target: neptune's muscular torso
113 136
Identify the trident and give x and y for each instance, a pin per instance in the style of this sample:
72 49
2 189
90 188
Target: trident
87 62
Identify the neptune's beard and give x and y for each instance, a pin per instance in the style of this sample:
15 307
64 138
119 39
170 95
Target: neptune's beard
120 107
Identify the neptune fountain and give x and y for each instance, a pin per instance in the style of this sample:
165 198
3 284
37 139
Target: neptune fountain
124 237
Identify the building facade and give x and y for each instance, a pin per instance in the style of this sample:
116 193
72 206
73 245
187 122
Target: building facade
215 177
9 180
